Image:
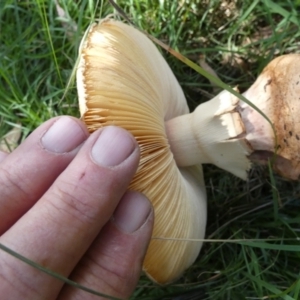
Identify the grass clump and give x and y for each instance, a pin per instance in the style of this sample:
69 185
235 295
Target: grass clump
38 51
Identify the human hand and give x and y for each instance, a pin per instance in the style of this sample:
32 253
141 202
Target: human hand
63 206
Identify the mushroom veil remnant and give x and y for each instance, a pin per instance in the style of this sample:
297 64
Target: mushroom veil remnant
123 80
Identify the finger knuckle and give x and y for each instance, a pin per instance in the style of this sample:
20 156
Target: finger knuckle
12 182
76 201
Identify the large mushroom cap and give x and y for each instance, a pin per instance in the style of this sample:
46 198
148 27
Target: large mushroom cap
123 80
277 93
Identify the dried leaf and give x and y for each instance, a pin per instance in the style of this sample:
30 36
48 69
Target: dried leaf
67 22
10 140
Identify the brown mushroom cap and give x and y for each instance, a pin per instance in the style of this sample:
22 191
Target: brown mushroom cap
277 93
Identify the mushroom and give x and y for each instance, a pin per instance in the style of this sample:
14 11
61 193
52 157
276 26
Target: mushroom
123 80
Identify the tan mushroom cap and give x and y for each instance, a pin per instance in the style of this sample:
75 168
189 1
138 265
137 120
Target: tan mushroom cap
123 80
277 93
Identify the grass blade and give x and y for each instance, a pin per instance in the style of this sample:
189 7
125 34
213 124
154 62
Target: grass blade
54 274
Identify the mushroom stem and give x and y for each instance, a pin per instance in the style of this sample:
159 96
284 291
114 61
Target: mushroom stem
213 133
227 132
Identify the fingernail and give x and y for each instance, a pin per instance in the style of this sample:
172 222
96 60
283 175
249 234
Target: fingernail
132 212
64 135
113 146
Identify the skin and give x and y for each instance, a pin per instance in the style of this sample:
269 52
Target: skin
65 205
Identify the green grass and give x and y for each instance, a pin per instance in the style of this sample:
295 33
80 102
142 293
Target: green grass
38 55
